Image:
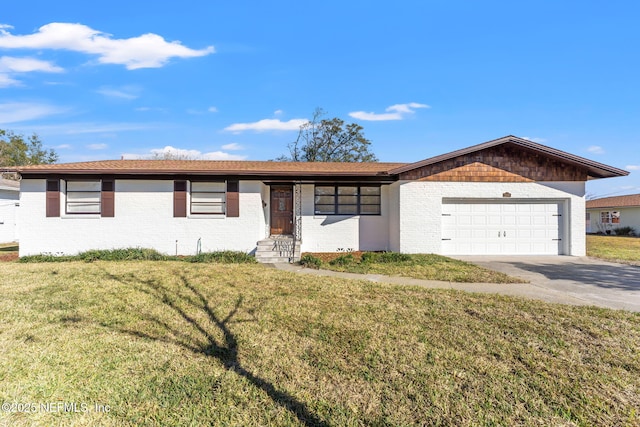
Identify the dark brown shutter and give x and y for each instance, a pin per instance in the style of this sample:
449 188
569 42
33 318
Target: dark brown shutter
53 197
107 208
180 198
233 201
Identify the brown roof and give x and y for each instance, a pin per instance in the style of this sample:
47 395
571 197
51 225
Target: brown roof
629 200
594 169
302 169
148 167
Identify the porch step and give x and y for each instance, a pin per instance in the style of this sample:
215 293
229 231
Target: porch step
277 250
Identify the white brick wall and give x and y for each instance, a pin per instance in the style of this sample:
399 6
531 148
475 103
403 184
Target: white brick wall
421 209
410 220
8 209
143 218
328 233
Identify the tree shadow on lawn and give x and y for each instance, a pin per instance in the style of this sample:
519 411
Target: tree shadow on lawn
225 350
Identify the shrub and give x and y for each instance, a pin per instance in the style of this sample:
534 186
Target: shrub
46 257
124 254
391 257
370 257
624 231
224 257
310 261
343 260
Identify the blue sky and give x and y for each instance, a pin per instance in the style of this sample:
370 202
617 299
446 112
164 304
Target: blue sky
233 80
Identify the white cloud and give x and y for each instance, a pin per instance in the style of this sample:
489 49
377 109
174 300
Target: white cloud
394 112
278 113
632 167
144 109
62 147
595 149
97 146
145 51
10 65
26 65
127 92
234 146
179 153
80 128
6 81
266 125
13 112
212 109
533 139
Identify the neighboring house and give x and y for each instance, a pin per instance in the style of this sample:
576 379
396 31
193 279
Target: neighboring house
506 196
9 201
609 213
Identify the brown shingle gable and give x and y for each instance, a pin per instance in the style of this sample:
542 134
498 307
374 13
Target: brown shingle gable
630 200
591 169
501 163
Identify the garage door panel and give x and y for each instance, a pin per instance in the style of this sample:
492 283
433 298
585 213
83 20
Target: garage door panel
495 228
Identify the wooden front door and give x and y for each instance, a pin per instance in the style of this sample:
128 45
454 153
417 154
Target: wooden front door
282 209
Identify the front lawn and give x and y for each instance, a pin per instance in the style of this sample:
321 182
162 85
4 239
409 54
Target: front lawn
614 248
171 343
427 266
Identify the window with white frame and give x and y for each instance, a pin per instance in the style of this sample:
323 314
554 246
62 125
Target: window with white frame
347 200
610 217
83 197
208 198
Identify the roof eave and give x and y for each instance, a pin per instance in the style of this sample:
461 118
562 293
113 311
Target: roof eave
200 172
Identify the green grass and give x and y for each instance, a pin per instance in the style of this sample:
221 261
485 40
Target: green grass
427 266
173 343
614 248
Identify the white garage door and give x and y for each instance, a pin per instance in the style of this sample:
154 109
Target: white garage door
501 228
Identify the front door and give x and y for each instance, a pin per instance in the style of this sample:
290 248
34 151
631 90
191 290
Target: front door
282 209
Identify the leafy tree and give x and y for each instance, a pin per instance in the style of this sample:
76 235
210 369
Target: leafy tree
15 150
322 140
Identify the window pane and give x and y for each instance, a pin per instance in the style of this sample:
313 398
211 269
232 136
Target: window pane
347 209
370 209
370 191
83 197
83 207
321 191
83 185
370 200
347 200
207 197
207 208
348 190
208 186
325 200
325 209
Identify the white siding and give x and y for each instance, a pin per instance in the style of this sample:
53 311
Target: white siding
629 217
8 218
421 209
143 218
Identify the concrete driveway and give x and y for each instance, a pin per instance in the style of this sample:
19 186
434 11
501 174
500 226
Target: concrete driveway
571 280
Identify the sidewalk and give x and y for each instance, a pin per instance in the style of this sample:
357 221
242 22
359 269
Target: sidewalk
526 290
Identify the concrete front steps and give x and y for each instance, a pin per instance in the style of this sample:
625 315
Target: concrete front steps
277 249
